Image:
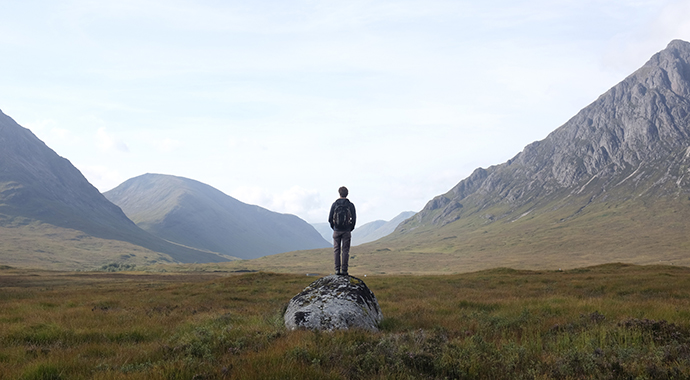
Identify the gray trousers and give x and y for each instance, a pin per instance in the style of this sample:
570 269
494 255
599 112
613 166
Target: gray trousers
341 239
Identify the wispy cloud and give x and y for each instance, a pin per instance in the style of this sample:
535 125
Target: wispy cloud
168 145
295 200
265 89
102 177
110 142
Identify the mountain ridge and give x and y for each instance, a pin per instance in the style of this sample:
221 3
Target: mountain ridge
614 137
195 214
612 184
42 191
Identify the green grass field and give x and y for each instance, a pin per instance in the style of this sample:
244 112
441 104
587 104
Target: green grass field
607 322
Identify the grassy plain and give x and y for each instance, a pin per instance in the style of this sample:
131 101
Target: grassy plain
642 232
610 322
41 245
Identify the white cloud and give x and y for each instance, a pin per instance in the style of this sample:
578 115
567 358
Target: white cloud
296 200
673 21
263 17
425 90
102 177
41 125
168 145
630 49
109 142
57 138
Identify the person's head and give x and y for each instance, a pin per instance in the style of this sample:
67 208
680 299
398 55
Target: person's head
343 191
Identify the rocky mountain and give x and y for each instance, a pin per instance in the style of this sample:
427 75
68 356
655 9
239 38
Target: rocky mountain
45 199
197 215
612 183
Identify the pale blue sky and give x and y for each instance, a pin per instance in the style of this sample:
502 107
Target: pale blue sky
278 103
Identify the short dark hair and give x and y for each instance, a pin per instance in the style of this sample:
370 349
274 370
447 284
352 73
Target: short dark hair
343 191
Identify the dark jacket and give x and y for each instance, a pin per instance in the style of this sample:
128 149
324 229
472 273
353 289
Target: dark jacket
352 211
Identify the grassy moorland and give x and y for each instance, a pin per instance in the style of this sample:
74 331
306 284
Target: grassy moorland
607 322
41 245
640 231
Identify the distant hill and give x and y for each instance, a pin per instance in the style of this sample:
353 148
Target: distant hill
378 229
324 229
367 232
51 216
197 215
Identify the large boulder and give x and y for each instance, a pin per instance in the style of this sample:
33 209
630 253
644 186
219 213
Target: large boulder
334 303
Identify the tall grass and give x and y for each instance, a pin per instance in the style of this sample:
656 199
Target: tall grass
609 322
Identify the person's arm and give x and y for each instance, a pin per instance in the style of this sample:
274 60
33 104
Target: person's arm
354 215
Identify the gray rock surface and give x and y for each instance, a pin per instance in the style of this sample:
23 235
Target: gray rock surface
620 143
334 303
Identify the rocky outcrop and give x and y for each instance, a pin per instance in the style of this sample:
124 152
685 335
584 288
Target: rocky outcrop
334 303
633 132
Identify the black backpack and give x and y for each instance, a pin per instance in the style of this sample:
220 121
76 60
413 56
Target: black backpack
342 216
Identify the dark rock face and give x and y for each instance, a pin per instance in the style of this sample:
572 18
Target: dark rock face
334 303
634 139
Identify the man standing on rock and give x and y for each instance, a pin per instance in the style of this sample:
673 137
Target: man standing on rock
342 219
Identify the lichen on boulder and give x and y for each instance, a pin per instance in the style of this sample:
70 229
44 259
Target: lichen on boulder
334 303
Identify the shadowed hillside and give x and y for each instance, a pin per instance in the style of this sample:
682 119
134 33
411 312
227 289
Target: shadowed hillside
197 215
51 215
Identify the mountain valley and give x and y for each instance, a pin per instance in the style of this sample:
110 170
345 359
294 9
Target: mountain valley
612 184
51 217
367 232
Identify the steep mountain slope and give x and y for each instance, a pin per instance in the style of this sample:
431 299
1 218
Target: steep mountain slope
197 215
610 184
46 199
